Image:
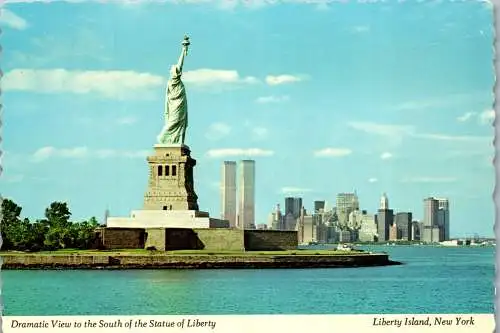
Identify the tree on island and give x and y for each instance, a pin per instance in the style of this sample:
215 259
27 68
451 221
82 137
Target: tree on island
54 232
60 229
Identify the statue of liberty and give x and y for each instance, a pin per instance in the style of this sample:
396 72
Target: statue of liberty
176 109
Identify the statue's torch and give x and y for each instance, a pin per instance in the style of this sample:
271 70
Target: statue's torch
186 43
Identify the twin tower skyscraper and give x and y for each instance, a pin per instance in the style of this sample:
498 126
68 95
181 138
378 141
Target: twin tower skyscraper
239 209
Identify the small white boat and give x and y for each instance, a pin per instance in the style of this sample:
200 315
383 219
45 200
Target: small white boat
345 247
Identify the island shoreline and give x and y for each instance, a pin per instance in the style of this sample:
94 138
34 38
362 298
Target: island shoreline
158 261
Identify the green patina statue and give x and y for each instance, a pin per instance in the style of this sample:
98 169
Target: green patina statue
176 108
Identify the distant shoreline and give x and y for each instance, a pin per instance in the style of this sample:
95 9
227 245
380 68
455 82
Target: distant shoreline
390 244
193 260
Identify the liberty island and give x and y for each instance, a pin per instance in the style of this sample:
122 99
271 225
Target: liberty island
170 231
171 220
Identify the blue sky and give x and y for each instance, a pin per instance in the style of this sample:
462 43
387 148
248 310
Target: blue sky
327 98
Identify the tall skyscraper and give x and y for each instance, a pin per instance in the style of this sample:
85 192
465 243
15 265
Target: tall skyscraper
436 222
385 218
293 206
415 230
246 211
319 205
289 222
384 201
345 204
275 220
228 192
403 223
430 212
444 217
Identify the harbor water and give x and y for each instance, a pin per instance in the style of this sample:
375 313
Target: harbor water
432 280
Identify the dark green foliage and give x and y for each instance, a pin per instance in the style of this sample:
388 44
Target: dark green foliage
54 232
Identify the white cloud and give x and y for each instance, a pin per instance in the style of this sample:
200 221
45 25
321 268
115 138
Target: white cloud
484 118
372 180
439 102
274 80
217 131
332 152
429 180
385 155
466 116
400 131
206 76
231 152
49 151
382 129
272 99
487 117
127 120
294 190
45 153
256 132
112 83
109 84
360 29
454 138
11 20
259 133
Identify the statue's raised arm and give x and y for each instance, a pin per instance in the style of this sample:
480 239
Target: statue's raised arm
185 45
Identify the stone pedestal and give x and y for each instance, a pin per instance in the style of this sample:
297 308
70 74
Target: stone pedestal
170 200
171 183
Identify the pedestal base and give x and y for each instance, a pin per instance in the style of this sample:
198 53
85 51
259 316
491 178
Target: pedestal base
166 219
171 183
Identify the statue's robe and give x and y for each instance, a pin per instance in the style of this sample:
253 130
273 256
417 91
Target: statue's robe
176 114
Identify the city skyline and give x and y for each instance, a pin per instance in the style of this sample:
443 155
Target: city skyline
434 227
351 99
346 205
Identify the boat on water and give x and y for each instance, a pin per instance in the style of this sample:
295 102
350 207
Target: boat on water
345 247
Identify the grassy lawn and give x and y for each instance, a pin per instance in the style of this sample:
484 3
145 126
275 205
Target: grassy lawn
184 252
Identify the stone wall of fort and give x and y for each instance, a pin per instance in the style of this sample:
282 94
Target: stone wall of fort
229 239
123 238
204 239
270 240
48 261
221 239
155 239
181 239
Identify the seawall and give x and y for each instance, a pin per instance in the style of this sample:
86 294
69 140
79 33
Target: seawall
159 261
